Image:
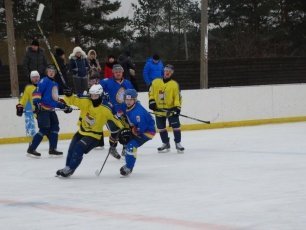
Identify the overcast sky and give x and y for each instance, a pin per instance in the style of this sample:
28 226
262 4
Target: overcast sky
126 8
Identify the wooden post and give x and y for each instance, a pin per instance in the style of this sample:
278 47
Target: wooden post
11 47
204 46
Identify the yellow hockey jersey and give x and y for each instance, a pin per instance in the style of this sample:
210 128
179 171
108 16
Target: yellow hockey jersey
92 119
165 94
27 95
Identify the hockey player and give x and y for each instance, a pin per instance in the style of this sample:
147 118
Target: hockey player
26 101
45 100
142 127
94 116
115 88
165 101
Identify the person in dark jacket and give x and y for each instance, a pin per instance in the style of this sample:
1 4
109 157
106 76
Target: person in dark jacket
79 67
128 65
59 55
34 59
153 69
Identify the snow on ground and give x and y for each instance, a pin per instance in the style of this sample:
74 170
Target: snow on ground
237 178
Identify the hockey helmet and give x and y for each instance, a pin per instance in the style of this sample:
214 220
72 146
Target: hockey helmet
130 94
96 89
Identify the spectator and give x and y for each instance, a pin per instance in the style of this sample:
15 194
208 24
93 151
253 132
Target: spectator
153 69
108 68
34 59
128 65
93 61
59 55
79 67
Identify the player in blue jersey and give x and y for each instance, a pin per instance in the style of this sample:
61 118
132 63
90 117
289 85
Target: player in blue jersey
142 128
115 88
45 100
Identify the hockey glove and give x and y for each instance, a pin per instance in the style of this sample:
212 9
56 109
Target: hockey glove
125 135
175 111
152 105
37 108
68 92
19 110
67 109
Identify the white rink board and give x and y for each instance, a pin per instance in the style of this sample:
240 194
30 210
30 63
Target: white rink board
217 104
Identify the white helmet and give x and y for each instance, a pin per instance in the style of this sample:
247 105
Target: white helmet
34 73
96 89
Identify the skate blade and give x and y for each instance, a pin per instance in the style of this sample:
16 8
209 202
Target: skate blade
33 156
180 151
99 148
55 156
163 151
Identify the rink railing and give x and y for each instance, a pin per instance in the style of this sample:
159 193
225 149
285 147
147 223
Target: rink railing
224 107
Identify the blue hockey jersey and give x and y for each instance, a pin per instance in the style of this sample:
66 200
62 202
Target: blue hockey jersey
46 94
116 91
142 120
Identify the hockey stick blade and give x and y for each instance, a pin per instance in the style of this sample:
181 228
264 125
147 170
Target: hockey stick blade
97 172
40 11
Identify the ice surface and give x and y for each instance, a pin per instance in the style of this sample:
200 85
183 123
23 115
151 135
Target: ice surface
237 178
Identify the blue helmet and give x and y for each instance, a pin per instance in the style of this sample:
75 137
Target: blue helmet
130 94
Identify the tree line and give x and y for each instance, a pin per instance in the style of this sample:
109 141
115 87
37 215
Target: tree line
248 28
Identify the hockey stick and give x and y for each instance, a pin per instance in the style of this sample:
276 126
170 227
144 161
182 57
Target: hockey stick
56 109
38 18
182 115
97 172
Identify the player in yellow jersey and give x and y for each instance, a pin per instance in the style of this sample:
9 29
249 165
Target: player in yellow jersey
165 101
27 93
94 116
25 106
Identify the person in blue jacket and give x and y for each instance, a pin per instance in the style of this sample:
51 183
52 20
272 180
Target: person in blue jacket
115 87
45 99
153 69
142 128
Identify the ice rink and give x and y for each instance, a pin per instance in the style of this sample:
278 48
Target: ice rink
236 178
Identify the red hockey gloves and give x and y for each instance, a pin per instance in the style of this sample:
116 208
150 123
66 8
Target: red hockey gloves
19 110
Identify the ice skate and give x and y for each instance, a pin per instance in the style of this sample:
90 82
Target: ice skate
55 153
179 148
164 148
125 171
65 172
113 151
33 153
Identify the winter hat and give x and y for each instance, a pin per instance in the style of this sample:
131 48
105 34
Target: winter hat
35 42
34 73
118 67
155 57
59 51
77 49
